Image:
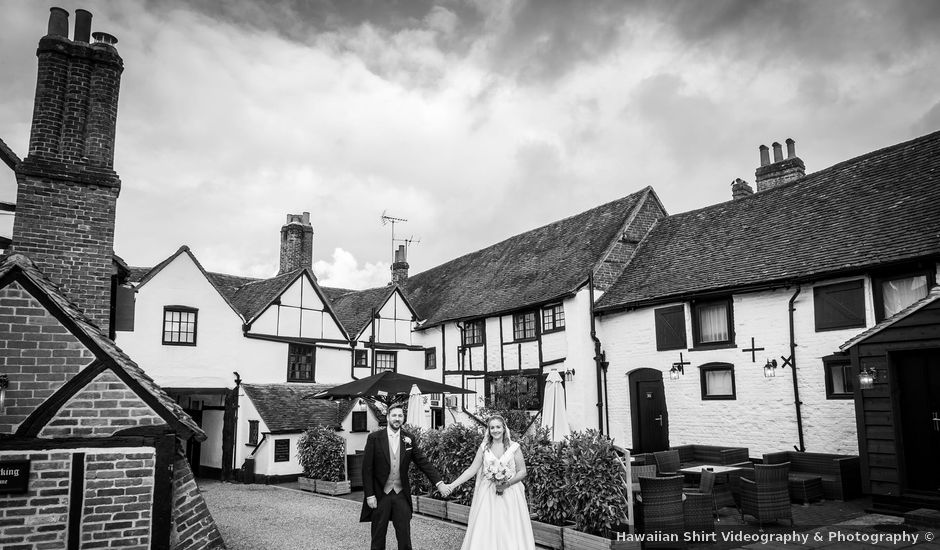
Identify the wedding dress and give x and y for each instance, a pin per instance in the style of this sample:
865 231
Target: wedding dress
498 522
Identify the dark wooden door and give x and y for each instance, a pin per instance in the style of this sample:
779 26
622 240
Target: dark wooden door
918 374
650 418
193 447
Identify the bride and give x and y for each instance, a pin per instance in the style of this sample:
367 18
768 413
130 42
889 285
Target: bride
499 515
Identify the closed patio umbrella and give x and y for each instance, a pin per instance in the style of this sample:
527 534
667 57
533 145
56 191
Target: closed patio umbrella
416 409
554 415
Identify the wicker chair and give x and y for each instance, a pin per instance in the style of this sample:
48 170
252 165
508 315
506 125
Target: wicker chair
699 508
662 504
667 462
767 497
636 472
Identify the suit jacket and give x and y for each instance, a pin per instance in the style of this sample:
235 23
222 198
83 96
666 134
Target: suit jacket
377 463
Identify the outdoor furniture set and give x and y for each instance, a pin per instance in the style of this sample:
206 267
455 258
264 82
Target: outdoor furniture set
820 475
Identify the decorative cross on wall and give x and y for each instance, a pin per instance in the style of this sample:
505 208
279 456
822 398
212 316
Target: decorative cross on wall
682 362
753 351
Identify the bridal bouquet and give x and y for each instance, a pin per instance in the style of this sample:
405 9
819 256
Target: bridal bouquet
497 473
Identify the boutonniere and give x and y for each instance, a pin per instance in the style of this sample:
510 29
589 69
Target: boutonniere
407 440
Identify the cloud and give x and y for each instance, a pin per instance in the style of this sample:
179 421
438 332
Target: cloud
343 271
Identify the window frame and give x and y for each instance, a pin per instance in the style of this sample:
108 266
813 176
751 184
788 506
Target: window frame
878 279
848 375
253 432
523 316
364 353
183 310
478 333
313 363
855 284
556 315
697 328
430 359
385 353
657 315
364 416
712 367
492 377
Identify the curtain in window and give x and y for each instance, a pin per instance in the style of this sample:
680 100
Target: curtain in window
718 382
713 322
900 293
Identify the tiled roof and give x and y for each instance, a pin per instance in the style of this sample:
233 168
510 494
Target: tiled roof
930 298
137 273
251 298
879 208
530 268
105 344
229 284
354 309
284 409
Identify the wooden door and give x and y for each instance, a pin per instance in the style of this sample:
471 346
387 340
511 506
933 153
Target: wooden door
918 374
650 418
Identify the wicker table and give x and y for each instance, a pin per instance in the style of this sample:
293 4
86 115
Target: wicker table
723 496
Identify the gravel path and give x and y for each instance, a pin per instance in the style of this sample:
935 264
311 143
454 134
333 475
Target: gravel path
261 517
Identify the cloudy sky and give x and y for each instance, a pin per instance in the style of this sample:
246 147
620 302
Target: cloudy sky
473 119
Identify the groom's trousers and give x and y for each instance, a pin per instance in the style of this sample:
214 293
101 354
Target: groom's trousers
392 506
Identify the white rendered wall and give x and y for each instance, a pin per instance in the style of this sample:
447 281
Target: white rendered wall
264 456
356 441
300 313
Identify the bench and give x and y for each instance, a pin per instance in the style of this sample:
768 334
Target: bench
840 475
697 455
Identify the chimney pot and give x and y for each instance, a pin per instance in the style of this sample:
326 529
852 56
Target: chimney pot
104 38
82 26
764 155
791 148
778 151
58 23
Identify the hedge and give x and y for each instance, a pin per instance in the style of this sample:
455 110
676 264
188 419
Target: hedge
322 454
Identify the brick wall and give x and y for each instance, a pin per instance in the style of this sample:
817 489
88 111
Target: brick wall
118 493
296 243
103 407
37 519
39 354
193 526
622 250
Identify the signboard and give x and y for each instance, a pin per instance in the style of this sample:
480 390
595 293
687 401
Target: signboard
14 476
281 450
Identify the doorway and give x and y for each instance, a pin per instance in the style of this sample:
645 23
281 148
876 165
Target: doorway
649 418
918 399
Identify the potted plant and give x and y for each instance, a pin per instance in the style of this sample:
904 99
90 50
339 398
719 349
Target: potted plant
322 455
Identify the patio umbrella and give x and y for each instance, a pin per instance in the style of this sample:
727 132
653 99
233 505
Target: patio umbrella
416 409
386 387
554 415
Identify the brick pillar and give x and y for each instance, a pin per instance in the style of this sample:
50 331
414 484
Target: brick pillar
67 188
296 243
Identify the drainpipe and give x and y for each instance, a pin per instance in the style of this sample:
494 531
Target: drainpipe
796 386
600 365
238 385
372 341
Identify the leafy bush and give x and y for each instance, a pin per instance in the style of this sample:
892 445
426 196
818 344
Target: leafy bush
451 451
545 479
322 453
596 496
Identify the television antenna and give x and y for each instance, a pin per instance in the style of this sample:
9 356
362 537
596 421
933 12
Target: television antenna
386 219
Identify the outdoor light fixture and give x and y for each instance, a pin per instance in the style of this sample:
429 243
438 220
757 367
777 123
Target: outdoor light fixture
568 374
866 378
4 383
770 368
360 406
676 371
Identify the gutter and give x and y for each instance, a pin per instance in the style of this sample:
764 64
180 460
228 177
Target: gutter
796 387
600 363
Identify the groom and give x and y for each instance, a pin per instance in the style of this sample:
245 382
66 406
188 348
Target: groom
385 480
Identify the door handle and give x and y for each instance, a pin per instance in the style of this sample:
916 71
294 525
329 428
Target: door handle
660 419
936 422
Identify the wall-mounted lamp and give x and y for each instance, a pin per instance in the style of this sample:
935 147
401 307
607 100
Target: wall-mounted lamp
360 406
568 374
866 378
770 368
676 371
4 384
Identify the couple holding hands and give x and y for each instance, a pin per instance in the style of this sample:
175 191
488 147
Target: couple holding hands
499 515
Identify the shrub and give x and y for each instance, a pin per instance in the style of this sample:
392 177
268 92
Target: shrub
545 480
596 496
322 453
451 450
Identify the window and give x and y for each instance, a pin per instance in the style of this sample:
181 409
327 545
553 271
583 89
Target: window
430 358
892 294
252 432
840 383
717 381
281 450
360 358
514 392
179 326
473 333
553 318
838 306
523 326
360 421
300 363
670 328
386 360
712 323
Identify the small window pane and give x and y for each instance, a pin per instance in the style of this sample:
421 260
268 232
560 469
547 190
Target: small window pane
385 360
713 322
717 381
430 359
840 381
473 333
553 318
523 326
300 363
179 327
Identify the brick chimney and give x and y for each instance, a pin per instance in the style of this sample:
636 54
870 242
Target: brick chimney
296 243
740 189
780 171
400 267
67 188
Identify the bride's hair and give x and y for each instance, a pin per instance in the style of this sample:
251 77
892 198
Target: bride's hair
488 438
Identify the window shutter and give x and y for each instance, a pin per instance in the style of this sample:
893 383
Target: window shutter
838 306
124 309
670 328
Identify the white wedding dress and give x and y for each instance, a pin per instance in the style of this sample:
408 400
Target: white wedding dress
498 522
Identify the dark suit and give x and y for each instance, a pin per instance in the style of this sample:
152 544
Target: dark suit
376 466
